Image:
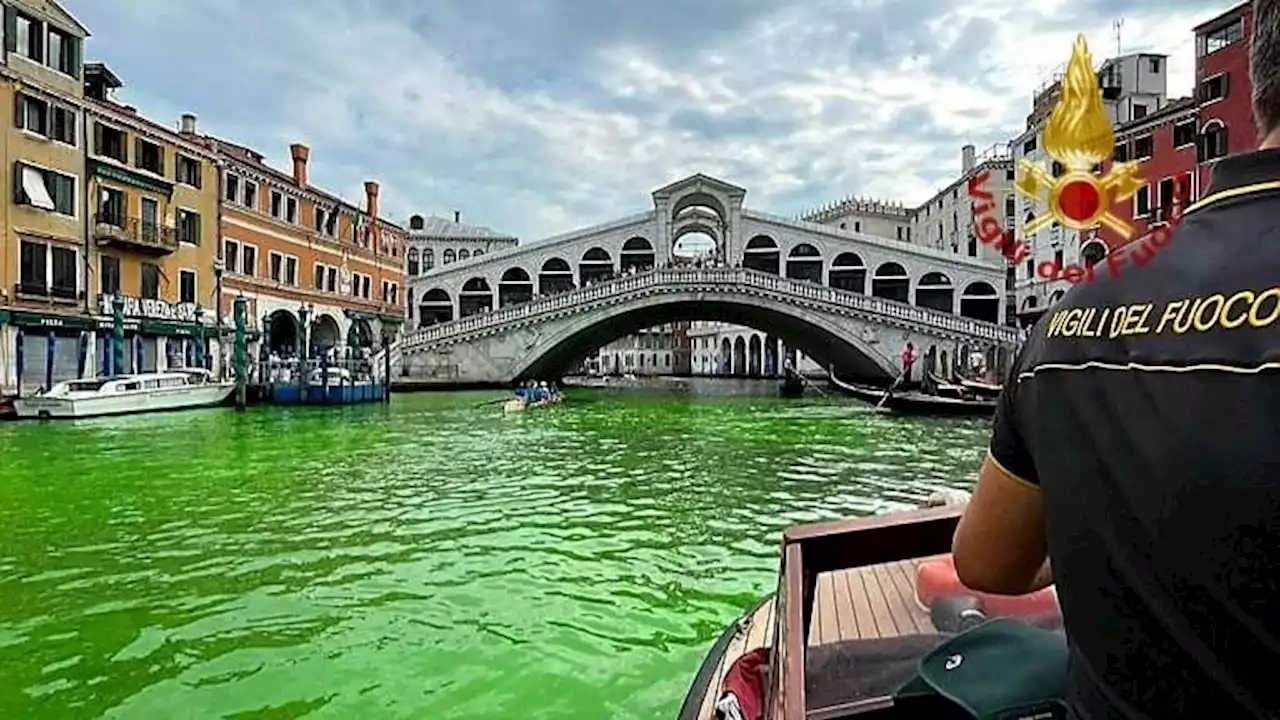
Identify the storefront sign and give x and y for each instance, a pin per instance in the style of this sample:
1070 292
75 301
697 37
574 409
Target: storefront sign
151 309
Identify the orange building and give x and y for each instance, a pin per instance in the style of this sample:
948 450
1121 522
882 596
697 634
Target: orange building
301 255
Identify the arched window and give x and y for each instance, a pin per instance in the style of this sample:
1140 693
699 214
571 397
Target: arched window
449 256
1213 140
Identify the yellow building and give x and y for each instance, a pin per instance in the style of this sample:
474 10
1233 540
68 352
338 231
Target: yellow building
153 229
46 316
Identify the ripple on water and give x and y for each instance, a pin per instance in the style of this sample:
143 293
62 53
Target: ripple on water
431 559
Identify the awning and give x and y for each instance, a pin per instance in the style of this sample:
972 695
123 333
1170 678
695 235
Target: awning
152 327
33 185
4 317
360 315
391 319
53 322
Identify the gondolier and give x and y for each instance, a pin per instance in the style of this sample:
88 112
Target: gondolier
1136 445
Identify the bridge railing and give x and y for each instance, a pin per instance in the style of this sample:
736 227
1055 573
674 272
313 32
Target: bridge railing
692 277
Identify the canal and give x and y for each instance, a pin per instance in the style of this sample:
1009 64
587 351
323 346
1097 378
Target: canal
430 559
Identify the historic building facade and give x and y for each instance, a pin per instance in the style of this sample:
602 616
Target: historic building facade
46 312
1223 88
317 272
436 242
153 207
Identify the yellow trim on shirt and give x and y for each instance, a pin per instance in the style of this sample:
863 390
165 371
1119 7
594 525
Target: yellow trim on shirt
1233 192
1008 473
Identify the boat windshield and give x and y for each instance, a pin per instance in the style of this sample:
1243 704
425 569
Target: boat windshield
86 385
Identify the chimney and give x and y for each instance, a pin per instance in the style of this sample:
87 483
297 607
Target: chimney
457 216
300 155
188 124
371 200
968 158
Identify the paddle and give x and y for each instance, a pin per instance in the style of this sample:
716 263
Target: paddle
890 389
493 402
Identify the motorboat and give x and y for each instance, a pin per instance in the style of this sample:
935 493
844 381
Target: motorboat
126 394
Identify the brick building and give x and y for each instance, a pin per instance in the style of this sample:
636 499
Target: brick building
1223 88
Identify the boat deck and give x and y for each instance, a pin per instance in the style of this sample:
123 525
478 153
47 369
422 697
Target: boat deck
877 601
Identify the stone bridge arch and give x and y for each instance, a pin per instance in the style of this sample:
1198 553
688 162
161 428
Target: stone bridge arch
849 347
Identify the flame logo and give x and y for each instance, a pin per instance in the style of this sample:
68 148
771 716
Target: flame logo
1079 135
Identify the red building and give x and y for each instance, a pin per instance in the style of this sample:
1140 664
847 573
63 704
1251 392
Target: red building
1223 88
1164 142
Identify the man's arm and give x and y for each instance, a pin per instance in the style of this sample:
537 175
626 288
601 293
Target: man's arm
1000 544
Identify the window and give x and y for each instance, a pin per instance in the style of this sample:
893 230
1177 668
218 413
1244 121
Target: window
1029 146
109 274
1184 133
1139 111
1165 196
232 193
150 281
150 156
39 116
34 261
277 204
109 142
395 293
28 37
320 219
1213 142
275 265
1142 202
65 275
857 227
1213 88
899 229
291 271
1121 153
248 260
386 291
188 171
332 284
318 272
1142 148
291 210
428 259
1212 42
1010 174
1057 257
186 286
249 198
110 207
449 256
231 255
45 189
1154 64
64 52
366 283
188 226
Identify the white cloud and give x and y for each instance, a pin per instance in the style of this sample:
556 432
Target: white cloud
561 125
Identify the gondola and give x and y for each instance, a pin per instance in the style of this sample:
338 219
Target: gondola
792 385
981 389
912 402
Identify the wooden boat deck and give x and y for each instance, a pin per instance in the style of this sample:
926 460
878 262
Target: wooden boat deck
877 601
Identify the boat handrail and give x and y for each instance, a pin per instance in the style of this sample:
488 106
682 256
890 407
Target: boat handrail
807 551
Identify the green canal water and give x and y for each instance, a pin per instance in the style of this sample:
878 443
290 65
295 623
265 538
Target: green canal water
427 560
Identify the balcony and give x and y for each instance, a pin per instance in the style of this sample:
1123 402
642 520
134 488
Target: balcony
134 234
42 291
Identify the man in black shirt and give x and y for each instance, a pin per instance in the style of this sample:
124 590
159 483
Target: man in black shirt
1137 445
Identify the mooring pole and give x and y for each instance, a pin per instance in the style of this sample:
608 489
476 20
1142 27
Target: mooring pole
241 359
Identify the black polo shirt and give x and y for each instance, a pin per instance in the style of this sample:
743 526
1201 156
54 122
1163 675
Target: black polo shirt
1146 407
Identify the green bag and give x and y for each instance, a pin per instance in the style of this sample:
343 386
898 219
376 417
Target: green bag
1000 670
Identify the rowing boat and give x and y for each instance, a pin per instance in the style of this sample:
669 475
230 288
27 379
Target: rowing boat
912 402
520 404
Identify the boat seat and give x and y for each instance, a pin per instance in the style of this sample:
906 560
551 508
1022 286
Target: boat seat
858 670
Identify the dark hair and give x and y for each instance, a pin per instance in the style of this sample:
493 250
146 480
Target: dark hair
1264 64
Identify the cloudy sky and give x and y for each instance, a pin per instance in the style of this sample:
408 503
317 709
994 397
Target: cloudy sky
540 116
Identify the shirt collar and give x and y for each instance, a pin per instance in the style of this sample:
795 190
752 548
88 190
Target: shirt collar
1237 171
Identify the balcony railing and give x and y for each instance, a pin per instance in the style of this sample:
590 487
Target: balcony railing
43 290
131 232
711 280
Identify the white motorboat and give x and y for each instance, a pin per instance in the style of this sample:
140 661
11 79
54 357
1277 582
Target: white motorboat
337 377
124 394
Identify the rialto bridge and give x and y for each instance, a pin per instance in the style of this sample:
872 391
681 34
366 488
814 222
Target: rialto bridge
848 300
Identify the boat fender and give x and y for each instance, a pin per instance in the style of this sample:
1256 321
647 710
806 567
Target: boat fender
957 614
937 578
742 691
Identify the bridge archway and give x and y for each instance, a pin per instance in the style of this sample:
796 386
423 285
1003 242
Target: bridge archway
980 301
596 265
891 282
936 292
476 297
848 273
762 253
695 241
325 332
637 252
435 307
826 340
515 287
804 262
555 277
